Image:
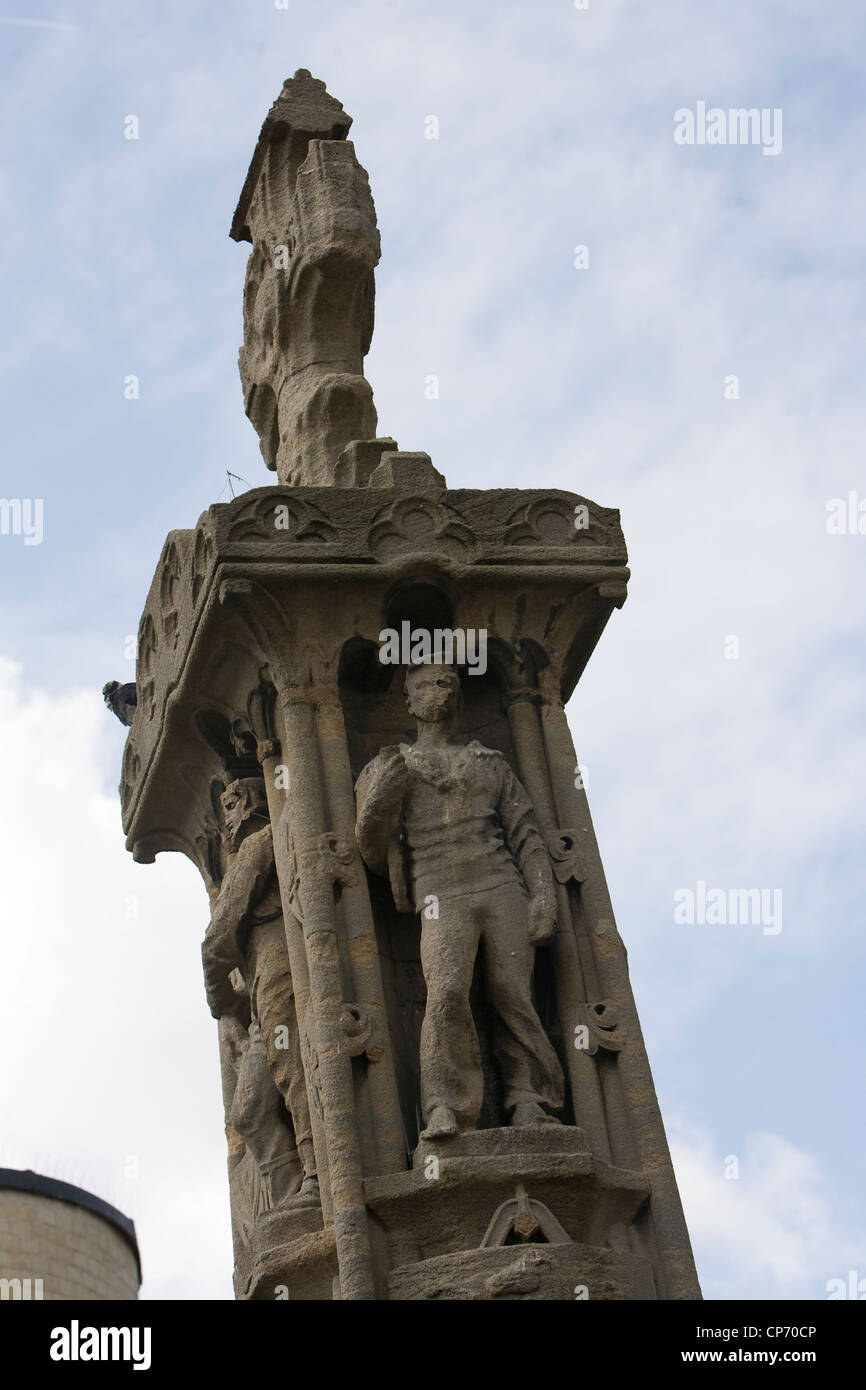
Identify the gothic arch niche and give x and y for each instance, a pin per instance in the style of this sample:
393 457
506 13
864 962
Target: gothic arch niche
375 712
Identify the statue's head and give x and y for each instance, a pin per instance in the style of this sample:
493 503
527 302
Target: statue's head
245 808
433 692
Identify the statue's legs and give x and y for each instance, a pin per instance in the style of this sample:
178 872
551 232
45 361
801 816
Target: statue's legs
451 1077
258 1115
272 998
451 1072
531 1074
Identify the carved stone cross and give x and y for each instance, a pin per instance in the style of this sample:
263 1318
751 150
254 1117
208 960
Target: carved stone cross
307 210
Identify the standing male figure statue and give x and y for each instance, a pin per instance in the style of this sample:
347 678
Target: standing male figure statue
247 932
455 832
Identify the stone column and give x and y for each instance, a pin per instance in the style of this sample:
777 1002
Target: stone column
384 1129
320 864
571 990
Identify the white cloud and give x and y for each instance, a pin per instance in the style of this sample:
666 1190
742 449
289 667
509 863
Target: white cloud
37 23
774 1232
115 1054
555 129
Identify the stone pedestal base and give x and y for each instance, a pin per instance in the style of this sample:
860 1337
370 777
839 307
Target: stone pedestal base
541 1272
261 650
512 1213
285 1243
502 1143
497 1213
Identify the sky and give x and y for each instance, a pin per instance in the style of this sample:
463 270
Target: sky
697 365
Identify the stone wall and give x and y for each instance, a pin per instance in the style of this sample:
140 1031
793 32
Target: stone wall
75 1251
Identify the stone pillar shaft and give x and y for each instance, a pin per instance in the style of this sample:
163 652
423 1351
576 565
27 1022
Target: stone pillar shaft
317 876
568 975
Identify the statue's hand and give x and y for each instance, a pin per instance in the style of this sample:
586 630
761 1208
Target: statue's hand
220 993
542 919
221 997
393 775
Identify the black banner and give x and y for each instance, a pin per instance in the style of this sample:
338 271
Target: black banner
227 1339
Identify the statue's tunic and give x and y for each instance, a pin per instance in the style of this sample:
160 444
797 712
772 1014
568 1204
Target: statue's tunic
468 821
463 833
248 932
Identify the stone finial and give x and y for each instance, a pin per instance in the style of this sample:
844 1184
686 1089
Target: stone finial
307 210
303 111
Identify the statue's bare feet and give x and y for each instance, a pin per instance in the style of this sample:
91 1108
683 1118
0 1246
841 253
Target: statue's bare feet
528 1114
442 1122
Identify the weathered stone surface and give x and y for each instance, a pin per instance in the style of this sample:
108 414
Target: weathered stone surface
58 1242
308 303
249 987
475 1202
455 832
434 1077
408 473
359 460
521 1142
536 1272
311 541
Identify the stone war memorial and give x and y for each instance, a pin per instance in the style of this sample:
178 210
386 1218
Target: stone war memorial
348 712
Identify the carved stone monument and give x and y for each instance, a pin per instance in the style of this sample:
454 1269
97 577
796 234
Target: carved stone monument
434 1078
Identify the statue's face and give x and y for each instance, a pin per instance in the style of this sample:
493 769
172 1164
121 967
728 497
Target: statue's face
433 693
236 810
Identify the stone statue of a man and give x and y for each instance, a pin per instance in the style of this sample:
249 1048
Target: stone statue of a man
246 932
267 1173
455 832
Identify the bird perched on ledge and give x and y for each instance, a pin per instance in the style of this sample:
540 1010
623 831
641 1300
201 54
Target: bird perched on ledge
121 699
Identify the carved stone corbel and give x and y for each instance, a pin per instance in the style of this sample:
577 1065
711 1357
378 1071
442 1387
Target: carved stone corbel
362 1028
603 1023
527 1218
564 850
